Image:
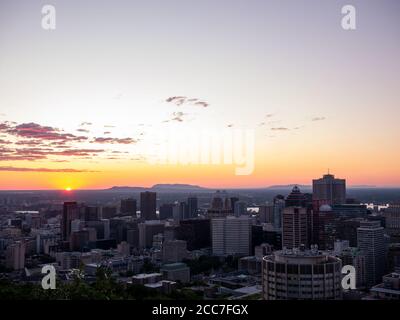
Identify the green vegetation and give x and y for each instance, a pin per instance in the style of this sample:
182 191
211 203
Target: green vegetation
204 264
104 288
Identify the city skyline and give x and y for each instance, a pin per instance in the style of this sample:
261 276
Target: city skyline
79 104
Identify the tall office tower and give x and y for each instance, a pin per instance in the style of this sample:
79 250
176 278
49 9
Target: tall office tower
233 200
183 210
70 212
294 227
329 190
325 228
240 208
220 205
295 218
231 236
266 213
192 207
177 212
392 221
196 232
148 205
128 206
301 275
370 239
296 198
147 231
15 255
166 211
279 205
92 213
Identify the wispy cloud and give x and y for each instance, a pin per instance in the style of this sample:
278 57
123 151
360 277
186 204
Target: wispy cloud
114 140
19 169
280 129
183 100
83 130
318 119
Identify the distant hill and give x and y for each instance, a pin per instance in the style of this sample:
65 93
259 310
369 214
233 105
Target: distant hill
289 186
161 188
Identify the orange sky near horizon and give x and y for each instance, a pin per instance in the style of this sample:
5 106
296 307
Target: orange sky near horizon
81 105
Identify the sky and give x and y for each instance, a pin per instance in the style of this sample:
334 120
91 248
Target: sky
81 105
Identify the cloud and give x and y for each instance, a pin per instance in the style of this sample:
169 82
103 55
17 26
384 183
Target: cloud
280 129
318 119
83 130
19 169
36 131
177 116
29 143
183 100
33 154
114 140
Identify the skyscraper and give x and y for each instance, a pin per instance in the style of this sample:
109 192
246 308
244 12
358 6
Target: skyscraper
329 190
70 212
370 238
295 218
279 205
294 227
15 255
128 206
148 205
192 207
166 211
220 205
231 235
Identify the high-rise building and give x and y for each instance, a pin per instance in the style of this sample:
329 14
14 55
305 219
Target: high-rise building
266 213
15 255
148 205
221 205
329 190
147 231
91 213
128 206
240 208
301 275
196 232
294 227
70 212
392 222
325 228
166 211
231 236
371 241
279 205
192 203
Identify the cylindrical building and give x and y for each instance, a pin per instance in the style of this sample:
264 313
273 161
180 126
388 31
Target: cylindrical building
301 275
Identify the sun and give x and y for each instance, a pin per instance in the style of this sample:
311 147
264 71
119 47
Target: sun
68 189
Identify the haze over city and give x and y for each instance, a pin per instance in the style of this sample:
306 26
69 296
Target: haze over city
79 104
